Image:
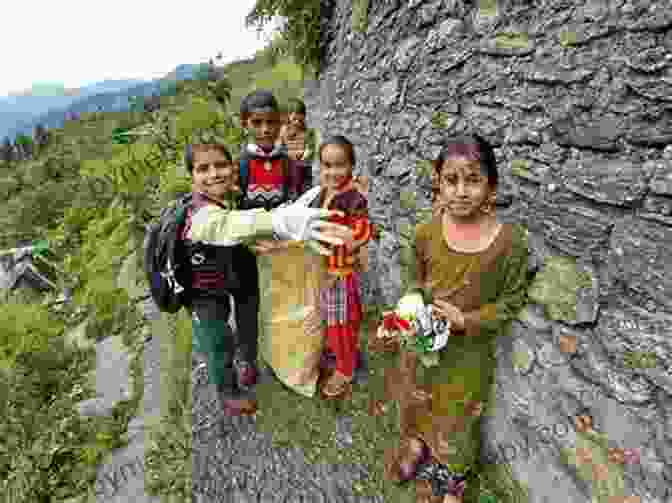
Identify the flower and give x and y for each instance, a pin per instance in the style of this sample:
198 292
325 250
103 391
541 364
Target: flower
392 321
417 328
583 423
473 408
583 456
456 488
631 456
616 455
568 343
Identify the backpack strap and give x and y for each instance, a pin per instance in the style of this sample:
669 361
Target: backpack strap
244 171
288 180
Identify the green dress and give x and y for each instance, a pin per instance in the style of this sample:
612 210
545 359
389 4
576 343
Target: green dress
489 287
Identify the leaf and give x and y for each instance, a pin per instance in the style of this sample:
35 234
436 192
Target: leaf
41 247
430 359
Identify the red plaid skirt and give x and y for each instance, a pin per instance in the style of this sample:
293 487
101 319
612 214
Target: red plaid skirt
341 303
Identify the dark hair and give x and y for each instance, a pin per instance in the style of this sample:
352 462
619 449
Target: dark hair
483 150
295 105
342 141
189 153
260 98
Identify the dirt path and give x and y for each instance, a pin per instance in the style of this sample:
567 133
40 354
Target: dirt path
232 461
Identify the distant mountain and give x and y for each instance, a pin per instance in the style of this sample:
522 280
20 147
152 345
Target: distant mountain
182 72
109 96
19 109
109 102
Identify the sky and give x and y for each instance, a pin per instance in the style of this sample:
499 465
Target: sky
78 42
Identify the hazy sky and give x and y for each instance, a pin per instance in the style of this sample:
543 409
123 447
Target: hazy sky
77 42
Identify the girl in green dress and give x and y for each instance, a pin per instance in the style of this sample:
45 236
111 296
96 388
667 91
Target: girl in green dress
473 269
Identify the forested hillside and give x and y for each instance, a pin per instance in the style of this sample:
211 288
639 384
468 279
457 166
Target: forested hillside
90 198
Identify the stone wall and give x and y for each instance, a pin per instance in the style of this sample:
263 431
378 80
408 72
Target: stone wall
577 97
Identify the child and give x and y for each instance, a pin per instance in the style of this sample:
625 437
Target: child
264 171
300 143
262 180
341 304
472 269
265 182
211 234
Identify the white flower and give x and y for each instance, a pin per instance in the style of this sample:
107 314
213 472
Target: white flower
441 338
408 306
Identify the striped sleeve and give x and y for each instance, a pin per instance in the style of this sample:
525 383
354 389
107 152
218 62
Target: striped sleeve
362 230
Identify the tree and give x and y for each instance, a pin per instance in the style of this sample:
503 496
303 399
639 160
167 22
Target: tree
41 136
24 146
222 91
300 33
7 150
152 103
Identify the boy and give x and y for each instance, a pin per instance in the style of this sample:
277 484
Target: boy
265 183
301 147
213 235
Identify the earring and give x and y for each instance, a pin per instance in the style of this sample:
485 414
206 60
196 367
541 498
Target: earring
489 206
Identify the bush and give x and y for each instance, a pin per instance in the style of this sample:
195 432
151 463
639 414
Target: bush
41 440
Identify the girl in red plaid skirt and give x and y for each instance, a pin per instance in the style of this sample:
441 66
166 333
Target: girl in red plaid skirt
340 299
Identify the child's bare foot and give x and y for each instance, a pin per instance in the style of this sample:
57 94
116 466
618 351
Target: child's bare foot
377 407
336 385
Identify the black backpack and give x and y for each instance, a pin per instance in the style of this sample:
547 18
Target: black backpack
167 270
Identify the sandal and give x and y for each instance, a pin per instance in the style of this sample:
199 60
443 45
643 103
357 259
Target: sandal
238 407
377 407
405 460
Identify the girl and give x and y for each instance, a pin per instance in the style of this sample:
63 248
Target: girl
340 299
473 269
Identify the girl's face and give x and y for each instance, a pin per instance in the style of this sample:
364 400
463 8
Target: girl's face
265 127
464 188
335 166
296 121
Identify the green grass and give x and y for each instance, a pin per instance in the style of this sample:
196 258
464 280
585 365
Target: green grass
47 451
51 453
310 424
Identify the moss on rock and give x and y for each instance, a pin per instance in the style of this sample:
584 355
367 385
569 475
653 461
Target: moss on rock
568 38
520 168
360 15
556 287
440 120
512 41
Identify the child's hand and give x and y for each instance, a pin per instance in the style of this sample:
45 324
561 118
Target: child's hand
264 246
450 312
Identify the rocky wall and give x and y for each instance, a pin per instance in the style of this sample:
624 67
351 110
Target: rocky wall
577 98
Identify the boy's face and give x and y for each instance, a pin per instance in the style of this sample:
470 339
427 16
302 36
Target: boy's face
265 127
213 173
